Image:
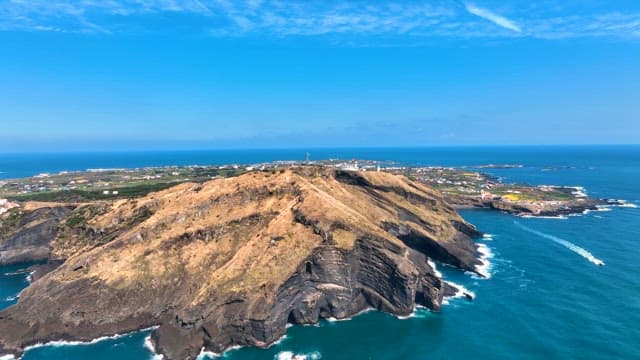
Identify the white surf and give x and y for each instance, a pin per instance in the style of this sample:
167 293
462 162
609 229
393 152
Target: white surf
290 355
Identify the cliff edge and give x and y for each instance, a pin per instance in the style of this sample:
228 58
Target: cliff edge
233 261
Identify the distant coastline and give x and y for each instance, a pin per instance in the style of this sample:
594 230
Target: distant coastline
22 164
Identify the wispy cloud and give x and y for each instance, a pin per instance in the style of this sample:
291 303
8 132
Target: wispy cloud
493 17
344 20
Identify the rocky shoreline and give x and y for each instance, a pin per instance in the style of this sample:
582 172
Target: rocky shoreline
347 241
242 257
567 208
28 238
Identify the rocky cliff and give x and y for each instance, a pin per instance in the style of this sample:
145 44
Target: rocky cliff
27 236
233 261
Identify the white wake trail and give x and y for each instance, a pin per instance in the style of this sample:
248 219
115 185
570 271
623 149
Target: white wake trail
573 247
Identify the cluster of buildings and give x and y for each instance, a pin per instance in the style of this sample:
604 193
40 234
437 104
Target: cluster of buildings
450 179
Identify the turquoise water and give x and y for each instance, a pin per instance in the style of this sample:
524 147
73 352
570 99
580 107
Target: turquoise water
543 300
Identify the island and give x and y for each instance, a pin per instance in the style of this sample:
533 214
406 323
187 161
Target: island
213 257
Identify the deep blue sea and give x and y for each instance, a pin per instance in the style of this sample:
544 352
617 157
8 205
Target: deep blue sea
544 299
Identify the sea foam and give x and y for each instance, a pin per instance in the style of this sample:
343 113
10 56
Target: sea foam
14 273
21 272
333 319
578 191
278 342
484 268
461 291
148 344
569 245
626 204
419 312
556 217
206 354
290 355
59 343
435 269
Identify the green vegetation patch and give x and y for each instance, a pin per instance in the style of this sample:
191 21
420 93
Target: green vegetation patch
92 195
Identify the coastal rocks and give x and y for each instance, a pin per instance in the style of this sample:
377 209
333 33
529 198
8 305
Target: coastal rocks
29 238
231 262
540 208
331 283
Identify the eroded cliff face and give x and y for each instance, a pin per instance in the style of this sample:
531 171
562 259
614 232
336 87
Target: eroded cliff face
27 236
232 261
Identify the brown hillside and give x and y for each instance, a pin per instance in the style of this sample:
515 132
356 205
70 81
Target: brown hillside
232 261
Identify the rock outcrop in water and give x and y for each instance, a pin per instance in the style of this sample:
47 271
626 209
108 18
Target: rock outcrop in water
233 261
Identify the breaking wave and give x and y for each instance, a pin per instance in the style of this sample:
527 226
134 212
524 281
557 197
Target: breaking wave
484 268
487 237
333 319
207 354
14 273
148 344
204 354
569 245
555 217
290 355
461 292
435 269
91 342
628 205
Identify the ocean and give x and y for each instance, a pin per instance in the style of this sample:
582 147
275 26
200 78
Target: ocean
545 298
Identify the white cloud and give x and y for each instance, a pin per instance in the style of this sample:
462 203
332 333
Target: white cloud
347 22
493 17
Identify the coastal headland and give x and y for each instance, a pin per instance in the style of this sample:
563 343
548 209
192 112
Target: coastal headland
216 257
232 261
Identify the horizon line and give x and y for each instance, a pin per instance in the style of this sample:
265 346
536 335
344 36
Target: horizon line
435 146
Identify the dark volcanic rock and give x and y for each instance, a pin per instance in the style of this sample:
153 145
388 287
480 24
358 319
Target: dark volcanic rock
233 261
332 282
549 208
32 240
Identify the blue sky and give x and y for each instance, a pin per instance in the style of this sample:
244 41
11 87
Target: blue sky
163 74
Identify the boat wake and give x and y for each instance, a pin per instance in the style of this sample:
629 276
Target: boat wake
569 245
